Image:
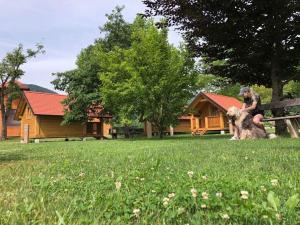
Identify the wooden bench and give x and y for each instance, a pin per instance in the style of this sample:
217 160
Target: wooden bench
292 122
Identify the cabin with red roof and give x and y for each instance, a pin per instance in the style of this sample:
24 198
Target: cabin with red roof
13 125
41 116
208 112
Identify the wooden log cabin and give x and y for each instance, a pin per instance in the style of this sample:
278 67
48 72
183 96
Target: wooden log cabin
13 125
41 115
208 112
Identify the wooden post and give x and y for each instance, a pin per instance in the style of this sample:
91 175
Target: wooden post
26 134
171 131
149 129
293 131
197 123
192 124
206 122
221 121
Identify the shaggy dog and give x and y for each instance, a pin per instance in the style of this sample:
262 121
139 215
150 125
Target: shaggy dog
244 122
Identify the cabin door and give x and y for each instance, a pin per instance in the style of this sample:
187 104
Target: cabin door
95 129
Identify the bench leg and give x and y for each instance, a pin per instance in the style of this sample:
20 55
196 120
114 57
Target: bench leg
293 130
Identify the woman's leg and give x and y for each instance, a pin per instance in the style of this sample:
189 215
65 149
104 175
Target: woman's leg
257 119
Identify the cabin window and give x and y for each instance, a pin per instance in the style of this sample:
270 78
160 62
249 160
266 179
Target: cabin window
214 111
10 120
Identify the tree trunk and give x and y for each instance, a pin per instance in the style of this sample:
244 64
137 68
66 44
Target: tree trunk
161 133
3 117
277 94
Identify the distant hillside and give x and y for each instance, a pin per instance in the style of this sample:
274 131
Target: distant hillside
34 87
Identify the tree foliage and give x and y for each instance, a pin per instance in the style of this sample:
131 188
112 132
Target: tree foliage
10 72
152 80
257 41
82 84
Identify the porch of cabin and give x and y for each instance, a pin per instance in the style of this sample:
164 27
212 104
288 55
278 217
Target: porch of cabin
208 117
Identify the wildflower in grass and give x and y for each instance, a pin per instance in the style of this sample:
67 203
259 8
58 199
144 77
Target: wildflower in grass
219 194
205 195
225 216
142 179
171 195
118 185
81 174
166 202
194 192
190 174
204 177
246 157
274 182
153 191
263 188
203 206
278 216
180 210
244 195
136 212
265 217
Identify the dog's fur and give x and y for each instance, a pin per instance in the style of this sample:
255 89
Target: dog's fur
244 122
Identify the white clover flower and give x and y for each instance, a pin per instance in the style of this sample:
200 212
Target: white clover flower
171 195
244 195
219 194
203 206
278 216
205 195
263 188
165 204
246 157
82 174
180 210
190 174
265 217
142 179
204 177
225 216
166 199
194 192
118 185
274 182
136 212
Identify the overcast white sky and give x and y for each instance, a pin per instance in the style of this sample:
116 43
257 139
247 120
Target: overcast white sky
64 27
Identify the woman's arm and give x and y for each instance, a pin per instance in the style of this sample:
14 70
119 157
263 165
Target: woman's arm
253 106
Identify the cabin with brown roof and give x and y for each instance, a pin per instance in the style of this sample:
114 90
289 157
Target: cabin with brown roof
41 115
13 125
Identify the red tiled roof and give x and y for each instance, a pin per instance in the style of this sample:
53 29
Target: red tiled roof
223 101
45 103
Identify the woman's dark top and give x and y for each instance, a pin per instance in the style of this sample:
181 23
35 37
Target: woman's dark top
249 101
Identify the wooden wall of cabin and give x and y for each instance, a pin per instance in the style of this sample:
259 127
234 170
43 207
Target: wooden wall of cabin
50 127
28 118
184 126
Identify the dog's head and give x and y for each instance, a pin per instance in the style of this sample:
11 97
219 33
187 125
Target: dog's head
233 113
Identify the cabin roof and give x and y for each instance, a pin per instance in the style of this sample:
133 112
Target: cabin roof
50 104
45 103
222 101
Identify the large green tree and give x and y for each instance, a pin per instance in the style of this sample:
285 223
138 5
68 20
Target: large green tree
258 40
10 71
152 80
82 84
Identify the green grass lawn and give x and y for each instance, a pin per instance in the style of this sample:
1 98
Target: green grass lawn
77 182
